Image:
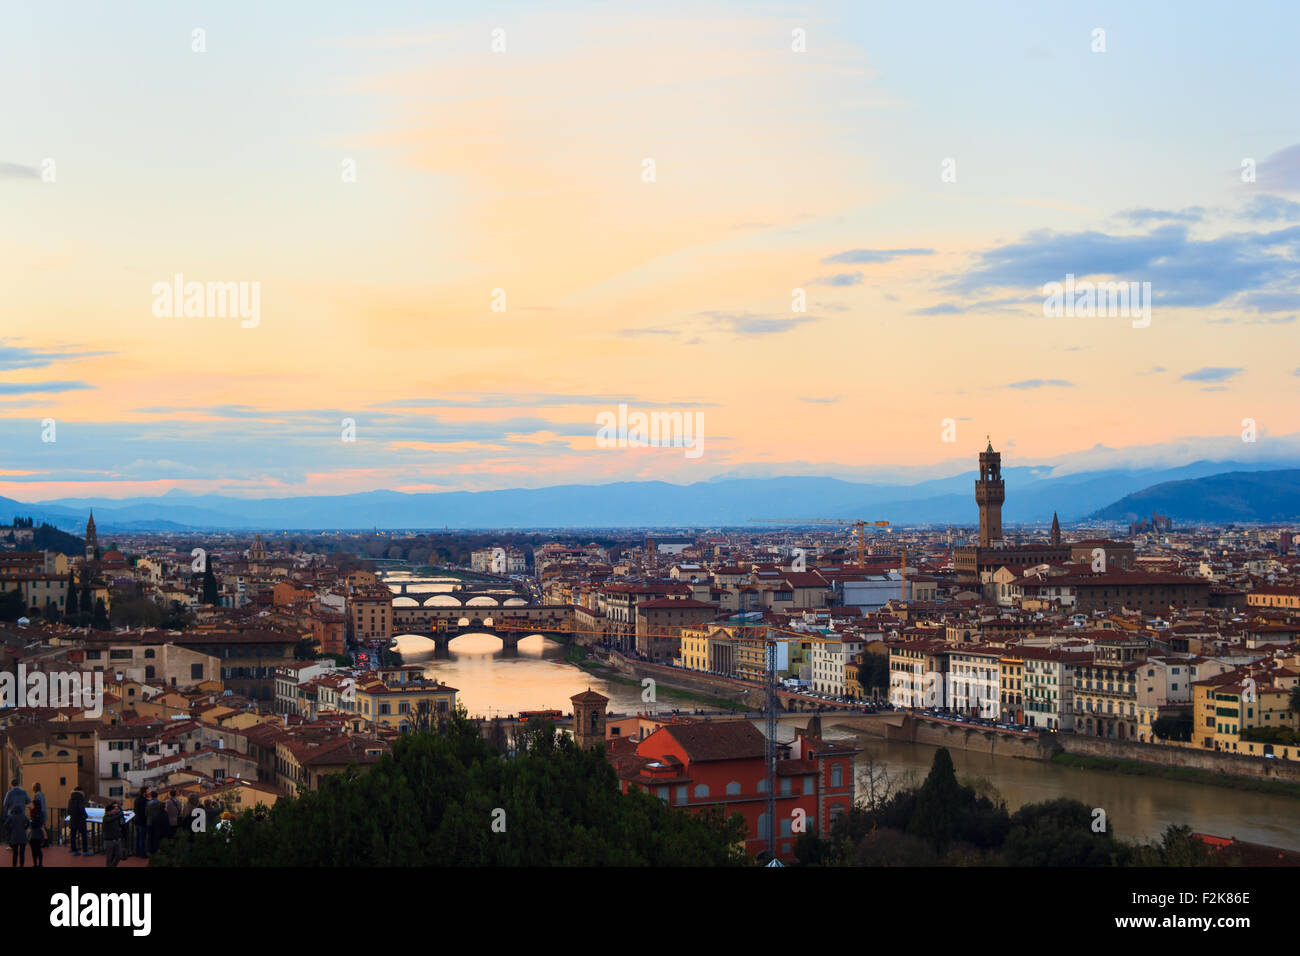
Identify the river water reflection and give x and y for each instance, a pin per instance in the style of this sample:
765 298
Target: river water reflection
1136 807
491 683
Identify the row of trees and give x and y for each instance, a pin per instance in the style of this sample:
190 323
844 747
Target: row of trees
947 822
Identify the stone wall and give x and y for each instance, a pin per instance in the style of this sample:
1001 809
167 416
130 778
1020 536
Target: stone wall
1235 764
742 692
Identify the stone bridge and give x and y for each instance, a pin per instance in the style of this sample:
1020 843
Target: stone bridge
441 623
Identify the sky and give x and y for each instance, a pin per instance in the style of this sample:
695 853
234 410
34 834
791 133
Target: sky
820 232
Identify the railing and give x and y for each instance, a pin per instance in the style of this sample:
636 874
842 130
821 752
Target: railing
59 832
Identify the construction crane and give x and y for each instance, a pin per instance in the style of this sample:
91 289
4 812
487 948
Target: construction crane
858 526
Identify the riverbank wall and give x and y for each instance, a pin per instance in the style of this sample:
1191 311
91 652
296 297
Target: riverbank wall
911 729
742 692
1236 765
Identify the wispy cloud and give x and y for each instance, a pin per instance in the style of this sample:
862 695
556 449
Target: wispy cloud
26 388
1211 373
872 256
17 356
16 171
840 279
1042 383
749 324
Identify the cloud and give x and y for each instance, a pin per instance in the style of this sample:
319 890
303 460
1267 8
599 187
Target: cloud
1042 383
943 308
25 388
872 256
1268 208
1182 271
1142 217
748 324
15 171
840 279
1281 170
16 356
1271 301
1211 373
829 400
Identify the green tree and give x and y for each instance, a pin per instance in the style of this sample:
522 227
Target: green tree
937 817
1061 833
211 590
448 798
100 620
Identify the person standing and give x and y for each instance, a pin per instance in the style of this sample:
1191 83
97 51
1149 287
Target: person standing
16 797
173 808
141 809
36 833
38 796
77 821
15 823
113 828
155 820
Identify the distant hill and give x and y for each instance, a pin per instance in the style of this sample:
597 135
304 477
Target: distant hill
1258 496
1033 494
44 538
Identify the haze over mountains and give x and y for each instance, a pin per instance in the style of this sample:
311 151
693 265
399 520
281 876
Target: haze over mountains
1209 491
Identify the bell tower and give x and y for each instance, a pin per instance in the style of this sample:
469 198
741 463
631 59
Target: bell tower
589 718
990 492
92 540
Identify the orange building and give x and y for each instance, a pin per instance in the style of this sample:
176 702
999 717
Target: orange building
699 764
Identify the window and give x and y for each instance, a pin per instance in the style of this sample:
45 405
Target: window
701 790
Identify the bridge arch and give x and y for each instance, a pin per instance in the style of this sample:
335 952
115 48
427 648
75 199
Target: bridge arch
442 600
482 601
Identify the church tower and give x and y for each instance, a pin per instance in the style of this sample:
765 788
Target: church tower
1056 531
990 492
92 541
589 718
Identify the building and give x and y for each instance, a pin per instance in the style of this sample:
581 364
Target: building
589 718
370 614
693 765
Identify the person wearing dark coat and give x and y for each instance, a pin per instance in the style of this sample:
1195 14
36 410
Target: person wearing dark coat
156 818
36 833
114 827
16 798
15 826
77 821
141 809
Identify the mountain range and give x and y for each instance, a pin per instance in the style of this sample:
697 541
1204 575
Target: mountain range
1201 491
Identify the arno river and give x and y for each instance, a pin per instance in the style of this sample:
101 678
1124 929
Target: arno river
1136 807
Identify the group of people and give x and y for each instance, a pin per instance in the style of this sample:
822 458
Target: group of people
25 824
158 820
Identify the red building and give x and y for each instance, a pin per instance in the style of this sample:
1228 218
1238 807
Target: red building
699 764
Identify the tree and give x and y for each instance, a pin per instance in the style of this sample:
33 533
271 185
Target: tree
71 610
448 799
211 591
1060 833
938 804
101 615
12 605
